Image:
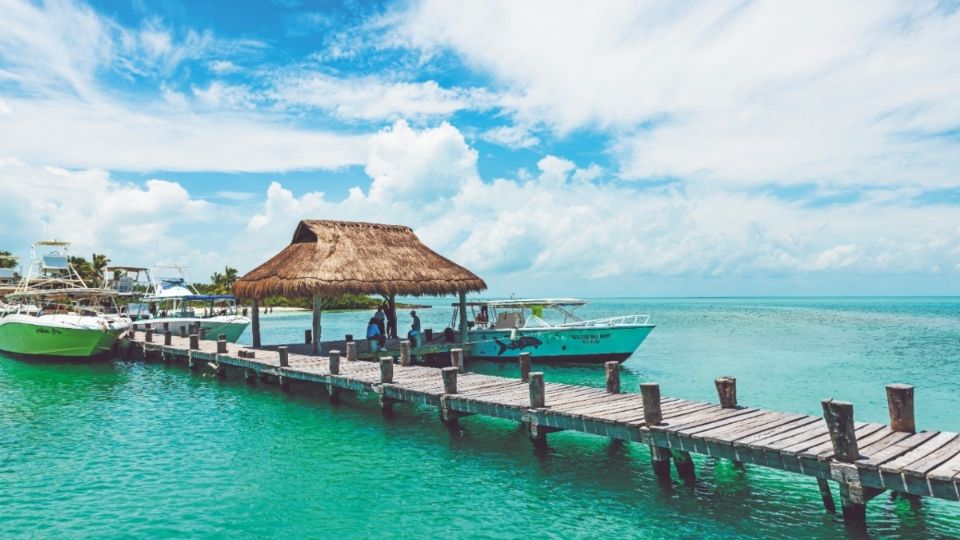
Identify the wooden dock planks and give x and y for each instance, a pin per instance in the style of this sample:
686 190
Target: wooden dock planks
925 463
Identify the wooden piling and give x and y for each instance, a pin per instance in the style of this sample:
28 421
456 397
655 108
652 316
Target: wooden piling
221 346
194 342
839 418
405 353
524 360
334 360
167 337
284 358
352 351
456 359
900 406
183 331
307 337
386 370
255 322
613 377
653 415
727 391
537 390
449 375
202 332
166 326
826 496
149 335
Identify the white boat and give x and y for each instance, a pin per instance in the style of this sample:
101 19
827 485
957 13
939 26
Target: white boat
172 302
501 329
53 313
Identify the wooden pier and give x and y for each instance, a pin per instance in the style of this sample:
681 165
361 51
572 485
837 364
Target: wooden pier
864 459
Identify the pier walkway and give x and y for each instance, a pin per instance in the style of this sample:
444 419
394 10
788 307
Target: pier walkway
864 459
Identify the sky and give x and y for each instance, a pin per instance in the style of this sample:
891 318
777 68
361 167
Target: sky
678 148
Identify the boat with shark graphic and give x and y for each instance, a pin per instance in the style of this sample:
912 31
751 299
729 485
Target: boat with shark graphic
501 329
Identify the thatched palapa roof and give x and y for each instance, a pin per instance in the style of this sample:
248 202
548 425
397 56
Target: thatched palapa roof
330 258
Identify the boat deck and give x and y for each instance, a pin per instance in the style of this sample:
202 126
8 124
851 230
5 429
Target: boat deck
923 464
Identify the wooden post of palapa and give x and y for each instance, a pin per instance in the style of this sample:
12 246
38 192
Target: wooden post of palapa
900 405
449 375
334 362
727 391
537 390
317 311
653 415
351 351
167 337
255 322
456 359
284 358
194 342
405 353
524 360
463 316
613 377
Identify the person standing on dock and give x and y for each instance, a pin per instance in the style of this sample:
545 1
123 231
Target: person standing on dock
381 319
391 320
415 328
374 337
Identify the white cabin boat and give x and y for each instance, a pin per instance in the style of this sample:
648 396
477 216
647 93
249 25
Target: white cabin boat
172 301
501 329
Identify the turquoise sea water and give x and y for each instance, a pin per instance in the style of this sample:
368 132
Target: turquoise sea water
116 449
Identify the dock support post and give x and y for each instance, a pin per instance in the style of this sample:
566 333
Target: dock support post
202 332
255 322
826 496
332 390
613 377
652 415
404 352
456 359
449 417
192 362
194 342
386 377
250 376
221 345
149 335
853 496
284 358
524 360
727 394
900 407
537 397
307 336
352 351
167 337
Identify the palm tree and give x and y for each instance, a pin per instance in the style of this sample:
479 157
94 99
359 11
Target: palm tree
229 276
83 269
99 265
7 260
216 280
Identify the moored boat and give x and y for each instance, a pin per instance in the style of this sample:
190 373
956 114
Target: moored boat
53 313
171 301
501 329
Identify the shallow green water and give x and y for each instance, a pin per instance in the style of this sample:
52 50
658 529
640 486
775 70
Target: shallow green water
120 449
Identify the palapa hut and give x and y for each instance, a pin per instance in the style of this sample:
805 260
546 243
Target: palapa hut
330 258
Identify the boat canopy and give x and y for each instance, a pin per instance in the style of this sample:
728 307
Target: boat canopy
77 291
526 302
188 297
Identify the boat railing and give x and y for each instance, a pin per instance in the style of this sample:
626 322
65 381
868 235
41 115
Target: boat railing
621 320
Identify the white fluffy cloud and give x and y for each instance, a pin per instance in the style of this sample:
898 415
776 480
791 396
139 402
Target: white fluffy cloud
726 92
562 221
138 225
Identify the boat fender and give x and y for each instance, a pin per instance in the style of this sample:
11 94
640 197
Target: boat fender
513 333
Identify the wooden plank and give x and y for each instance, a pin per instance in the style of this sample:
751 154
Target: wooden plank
937 442
732 419
735 432
934 459
946 471
823 444
891 447
791 429
705 417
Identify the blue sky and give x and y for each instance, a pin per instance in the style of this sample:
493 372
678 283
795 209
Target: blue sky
560 148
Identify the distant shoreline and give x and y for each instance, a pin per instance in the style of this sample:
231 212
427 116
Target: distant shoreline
287 309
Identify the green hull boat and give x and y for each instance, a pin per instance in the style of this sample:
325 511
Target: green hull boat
58 335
